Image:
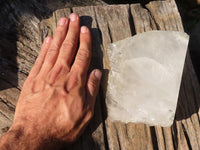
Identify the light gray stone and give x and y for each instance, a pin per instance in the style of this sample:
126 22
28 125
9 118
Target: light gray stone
145 77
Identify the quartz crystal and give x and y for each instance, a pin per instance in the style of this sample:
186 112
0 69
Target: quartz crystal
145 76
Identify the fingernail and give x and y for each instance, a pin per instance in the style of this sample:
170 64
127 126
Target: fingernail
48 39
98 74
62 21
73 17
84 29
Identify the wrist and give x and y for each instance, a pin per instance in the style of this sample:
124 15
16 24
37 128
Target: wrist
20 137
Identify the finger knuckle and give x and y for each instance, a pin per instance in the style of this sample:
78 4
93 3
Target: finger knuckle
53 49
68 44
65 64
59 30
83 54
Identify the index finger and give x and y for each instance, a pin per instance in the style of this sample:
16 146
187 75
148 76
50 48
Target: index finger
83 57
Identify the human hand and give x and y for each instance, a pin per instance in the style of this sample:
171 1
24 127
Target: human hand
57 100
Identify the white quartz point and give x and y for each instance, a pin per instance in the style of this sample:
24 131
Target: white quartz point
145 77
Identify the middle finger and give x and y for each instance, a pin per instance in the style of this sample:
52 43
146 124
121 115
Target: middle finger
69 46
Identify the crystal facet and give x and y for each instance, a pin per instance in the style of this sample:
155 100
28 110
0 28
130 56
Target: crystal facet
145 77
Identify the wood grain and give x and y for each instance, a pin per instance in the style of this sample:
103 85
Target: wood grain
110 24
17 56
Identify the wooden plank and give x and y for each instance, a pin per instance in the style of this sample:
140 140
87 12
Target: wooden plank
181 141
116 18
16 60
120 136
87 16
8 100
110 24
28 43
166 15
143 21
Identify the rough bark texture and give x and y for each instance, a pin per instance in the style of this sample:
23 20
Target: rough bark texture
110 24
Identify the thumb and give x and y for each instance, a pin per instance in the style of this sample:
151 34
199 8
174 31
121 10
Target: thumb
93 83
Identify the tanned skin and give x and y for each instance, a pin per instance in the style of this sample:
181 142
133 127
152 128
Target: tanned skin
58 97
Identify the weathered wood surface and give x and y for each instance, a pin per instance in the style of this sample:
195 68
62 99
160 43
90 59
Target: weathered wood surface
110 24
17 55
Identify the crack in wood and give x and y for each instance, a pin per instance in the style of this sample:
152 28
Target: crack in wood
1 113
8 104
131 21
152 17
187 138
